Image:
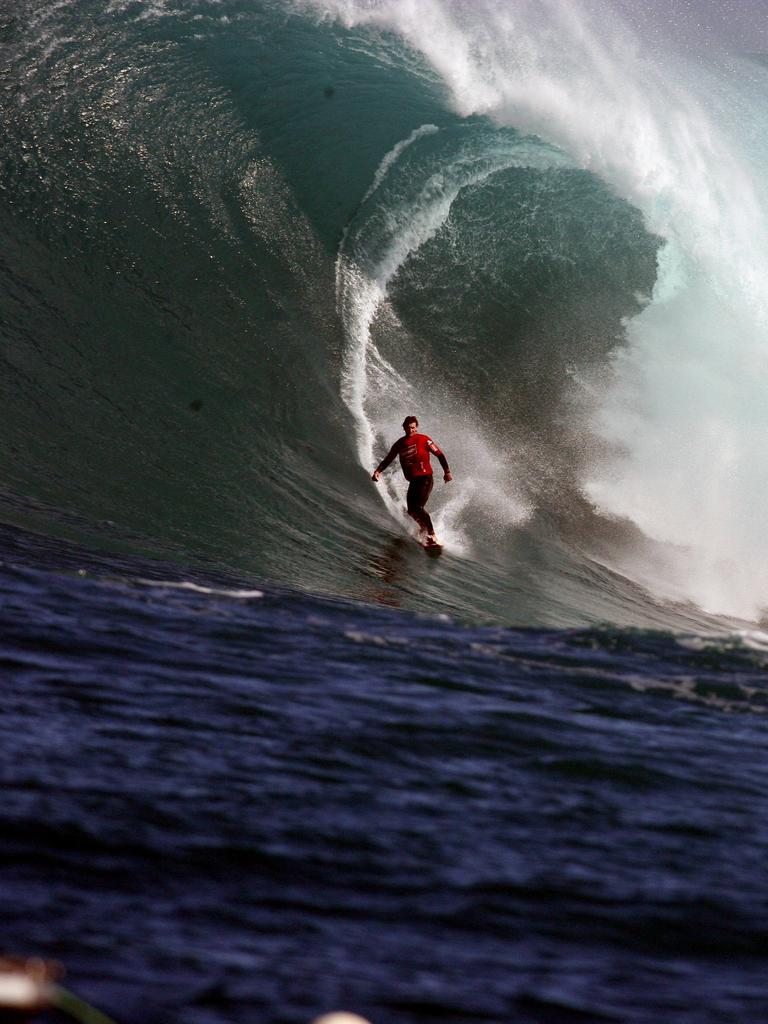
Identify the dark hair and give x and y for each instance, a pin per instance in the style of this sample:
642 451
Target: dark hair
410 419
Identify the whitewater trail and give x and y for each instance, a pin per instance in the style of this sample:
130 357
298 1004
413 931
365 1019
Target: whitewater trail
375 391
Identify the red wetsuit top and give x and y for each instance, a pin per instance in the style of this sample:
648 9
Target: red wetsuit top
414 456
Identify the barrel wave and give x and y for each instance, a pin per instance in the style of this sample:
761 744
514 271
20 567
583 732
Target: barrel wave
242 240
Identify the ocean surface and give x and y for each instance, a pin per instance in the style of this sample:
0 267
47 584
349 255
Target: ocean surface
261 758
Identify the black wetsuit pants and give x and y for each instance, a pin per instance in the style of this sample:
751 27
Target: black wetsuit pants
419 491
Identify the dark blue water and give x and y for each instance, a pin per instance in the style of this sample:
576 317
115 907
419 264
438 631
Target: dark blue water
221 807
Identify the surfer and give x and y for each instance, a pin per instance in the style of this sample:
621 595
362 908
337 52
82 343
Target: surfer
414 450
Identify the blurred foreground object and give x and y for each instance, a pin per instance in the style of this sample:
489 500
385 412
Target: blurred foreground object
340 1017
27 987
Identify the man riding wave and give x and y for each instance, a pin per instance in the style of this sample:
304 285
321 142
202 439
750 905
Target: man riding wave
414 450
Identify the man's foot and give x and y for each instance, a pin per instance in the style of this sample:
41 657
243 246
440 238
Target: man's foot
431 540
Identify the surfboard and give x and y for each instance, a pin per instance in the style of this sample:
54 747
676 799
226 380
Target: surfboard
432 549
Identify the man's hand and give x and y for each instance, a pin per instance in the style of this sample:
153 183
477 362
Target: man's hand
448 477
375 476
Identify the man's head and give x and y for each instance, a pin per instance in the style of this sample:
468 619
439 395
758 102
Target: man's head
410 425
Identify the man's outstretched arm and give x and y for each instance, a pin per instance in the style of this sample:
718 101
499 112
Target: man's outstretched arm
390 457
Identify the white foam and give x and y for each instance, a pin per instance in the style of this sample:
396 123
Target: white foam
394 155
241 595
